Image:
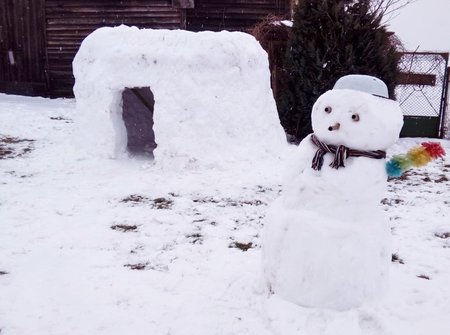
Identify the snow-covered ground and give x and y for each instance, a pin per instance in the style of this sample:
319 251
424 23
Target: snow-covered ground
100 246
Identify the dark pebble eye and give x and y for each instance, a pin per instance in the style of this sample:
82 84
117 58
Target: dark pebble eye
328 109
355 117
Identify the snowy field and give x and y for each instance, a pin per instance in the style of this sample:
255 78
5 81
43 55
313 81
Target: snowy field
101 246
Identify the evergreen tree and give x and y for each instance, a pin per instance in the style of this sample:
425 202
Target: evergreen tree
330 39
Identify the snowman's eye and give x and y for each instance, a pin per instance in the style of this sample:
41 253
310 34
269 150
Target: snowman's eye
355 117
328 109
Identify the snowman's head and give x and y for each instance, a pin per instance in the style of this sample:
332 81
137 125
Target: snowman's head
356 119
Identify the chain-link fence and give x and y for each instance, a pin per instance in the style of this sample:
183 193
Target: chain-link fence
421 93
446 118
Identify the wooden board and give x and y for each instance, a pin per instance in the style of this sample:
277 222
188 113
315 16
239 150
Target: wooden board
22 46
421 79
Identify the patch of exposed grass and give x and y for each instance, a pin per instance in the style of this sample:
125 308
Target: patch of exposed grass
162 203
206 200
443 235
158 203
442 179
396 259
195 238
137 266
135 198
228 202
60 118
124 228
12 147
241 246
391 202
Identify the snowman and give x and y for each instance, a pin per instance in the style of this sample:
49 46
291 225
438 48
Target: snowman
326 241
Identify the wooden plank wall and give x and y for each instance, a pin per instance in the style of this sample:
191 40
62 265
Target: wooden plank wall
22 55
232 15
69 22
4 43
45 35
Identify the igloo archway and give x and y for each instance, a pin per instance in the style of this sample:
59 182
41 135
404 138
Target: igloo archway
213 100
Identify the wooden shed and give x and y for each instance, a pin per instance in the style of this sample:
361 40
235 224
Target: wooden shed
39 38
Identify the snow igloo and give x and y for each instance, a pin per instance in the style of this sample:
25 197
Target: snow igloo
209 93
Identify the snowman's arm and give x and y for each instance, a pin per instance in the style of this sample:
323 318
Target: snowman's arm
300 160
305 154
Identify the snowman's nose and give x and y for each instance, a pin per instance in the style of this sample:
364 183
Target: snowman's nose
336 126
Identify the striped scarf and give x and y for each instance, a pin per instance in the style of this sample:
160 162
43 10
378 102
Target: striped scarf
341 153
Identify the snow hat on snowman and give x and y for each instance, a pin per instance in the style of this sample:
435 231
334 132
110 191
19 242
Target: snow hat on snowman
363 83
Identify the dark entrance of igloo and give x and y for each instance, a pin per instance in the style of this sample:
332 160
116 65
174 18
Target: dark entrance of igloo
137 113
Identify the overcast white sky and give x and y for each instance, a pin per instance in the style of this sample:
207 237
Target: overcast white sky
424 25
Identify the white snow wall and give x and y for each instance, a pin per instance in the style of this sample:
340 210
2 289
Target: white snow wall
213 100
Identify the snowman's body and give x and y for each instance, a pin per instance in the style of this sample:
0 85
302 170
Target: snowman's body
326 240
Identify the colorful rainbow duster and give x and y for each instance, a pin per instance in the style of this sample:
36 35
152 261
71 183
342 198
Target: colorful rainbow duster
415 157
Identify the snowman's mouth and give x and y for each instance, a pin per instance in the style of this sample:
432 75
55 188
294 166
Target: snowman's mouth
336 126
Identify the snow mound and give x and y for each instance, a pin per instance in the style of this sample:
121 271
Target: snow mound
213 100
